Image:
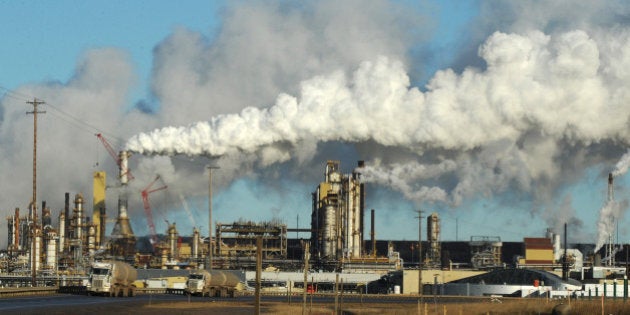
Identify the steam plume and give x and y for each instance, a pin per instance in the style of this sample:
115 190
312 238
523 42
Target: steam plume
500 127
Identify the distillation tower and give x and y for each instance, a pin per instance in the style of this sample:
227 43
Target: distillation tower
337 217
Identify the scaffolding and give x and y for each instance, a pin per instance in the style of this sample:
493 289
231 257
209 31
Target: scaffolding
485 251
238 239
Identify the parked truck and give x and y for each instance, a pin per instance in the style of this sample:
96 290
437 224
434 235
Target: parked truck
218 283
112 278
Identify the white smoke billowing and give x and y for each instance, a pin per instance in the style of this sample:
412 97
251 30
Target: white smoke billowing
622 166
612 210
260 49
537 93
608 216
500 128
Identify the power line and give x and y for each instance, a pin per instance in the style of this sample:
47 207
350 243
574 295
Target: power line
15 95
82 124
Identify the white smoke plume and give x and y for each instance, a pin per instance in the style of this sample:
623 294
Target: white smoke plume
504 126
535 93
608 216
622 166
612 210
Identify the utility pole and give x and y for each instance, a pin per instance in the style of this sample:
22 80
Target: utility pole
420 251
209 264
307 256
258 275
35 102
34 229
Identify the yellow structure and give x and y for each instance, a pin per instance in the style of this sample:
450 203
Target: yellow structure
538 251
430 276
98 210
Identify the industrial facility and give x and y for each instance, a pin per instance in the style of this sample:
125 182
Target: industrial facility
337 244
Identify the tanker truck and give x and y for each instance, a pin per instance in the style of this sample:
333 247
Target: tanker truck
112 278
218 283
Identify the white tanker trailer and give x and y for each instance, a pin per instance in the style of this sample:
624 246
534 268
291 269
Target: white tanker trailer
112 278
216 283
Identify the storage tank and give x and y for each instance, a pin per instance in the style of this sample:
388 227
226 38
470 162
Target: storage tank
51 250
223 278
123 273
62 232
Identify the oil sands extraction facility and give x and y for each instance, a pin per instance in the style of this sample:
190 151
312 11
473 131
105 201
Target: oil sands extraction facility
40 250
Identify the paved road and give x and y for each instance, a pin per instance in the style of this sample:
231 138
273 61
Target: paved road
81 304
173 304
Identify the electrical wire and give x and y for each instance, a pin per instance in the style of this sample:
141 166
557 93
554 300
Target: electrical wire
82 124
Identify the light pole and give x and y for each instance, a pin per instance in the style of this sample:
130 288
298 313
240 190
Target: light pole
209 264
420 251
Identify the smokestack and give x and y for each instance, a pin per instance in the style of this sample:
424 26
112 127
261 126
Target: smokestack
43 207
16 228
67 214
565 262
124 167
611 194
372 235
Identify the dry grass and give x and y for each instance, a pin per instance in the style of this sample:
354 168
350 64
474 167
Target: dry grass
197 306
506 306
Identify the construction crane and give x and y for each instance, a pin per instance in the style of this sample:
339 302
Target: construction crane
147 208
113 154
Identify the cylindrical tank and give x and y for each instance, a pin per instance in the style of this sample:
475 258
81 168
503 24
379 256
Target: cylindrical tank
329 228
92 239
78 217
123 273
224 278
51 251
220 278
195 243
36 249
62 231
172 240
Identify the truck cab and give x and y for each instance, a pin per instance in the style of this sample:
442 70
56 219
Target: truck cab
99 281
196 284
113 278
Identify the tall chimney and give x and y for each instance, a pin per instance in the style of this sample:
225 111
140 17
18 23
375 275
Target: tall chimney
67 214
611 194
372 234
565 262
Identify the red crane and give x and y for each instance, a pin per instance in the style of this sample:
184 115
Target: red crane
111 151
147 208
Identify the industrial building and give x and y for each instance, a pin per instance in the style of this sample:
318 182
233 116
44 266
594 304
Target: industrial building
337 241
337 223
237 242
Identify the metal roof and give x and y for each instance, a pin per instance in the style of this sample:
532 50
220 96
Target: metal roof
518 277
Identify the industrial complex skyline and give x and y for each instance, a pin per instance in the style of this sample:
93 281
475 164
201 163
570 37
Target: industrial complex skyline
503 117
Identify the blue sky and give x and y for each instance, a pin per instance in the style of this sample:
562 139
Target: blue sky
47 38
44 43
